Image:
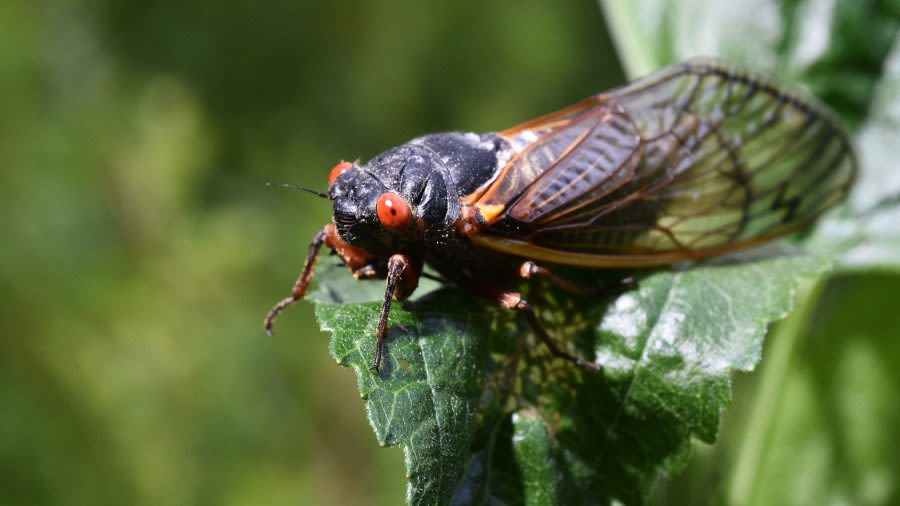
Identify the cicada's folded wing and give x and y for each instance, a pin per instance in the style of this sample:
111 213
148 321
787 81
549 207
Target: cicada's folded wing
696 160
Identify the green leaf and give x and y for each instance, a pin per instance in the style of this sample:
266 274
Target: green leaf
483 412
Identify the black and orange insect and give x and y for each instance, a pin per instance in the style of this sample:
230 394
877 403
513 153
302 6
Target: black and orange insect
699 159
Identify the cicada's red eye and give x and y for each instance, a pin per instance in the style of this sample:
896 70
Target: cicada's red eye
338 170
393 212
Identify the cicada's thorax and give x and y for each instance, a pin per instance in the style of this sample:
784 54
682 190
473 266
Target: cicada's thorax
471 162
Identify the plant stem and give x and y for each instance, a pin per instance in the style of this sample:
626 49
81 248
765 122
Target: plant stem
783 339
632 48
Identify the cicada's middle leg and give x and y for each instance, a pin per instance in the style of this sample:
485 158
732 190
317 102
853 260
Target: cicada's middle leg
402 279
531 271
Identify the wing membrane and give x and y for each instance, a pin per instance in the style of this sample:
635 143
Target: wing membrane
695 160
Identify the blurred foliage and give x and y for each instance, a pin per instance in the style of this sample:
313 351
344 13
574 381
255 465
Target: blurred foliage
144 249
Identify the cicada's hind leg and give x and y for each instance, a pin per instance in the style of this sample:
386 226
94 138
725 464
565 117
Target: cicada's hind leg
514 301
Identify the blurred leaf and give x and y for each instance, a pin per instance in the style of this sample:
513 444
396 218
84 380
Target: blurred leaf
877 138
878 194
832 426
651 34
836 47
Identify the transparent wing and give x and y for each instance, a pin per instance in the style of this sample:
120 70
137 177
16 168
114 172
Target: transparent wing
596 151
695 160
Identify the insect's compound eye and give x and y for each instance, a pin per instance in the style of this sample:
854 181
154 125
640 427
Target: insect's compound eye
393 212
338 170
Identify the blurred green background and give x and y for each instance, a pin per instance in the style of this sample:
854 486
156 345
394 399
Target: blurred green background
143 248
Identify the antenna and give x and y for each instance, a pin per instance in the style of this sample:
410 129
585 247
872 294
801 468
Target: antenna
298 187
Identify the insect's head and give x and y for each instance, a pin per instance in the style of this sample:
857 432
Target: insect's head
388 205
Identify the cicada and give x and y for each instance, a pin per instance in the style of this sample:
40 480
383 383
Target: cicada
697 160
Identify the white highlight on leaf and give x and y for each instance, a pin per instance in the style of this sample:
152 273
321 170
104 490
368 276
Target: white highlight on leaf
666 331
746 31
652 33
879 149
814 25
880 252
629 320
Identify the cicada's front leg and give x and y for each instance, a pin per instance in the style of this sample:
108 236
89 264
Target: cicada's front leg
401 273
357 260
302 282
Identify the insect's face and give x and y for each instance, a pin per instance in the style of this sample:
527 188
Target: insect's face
387 206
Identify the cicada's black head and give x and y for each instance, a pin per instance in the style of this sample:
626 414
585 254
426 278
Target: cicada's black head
394 202
406 199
